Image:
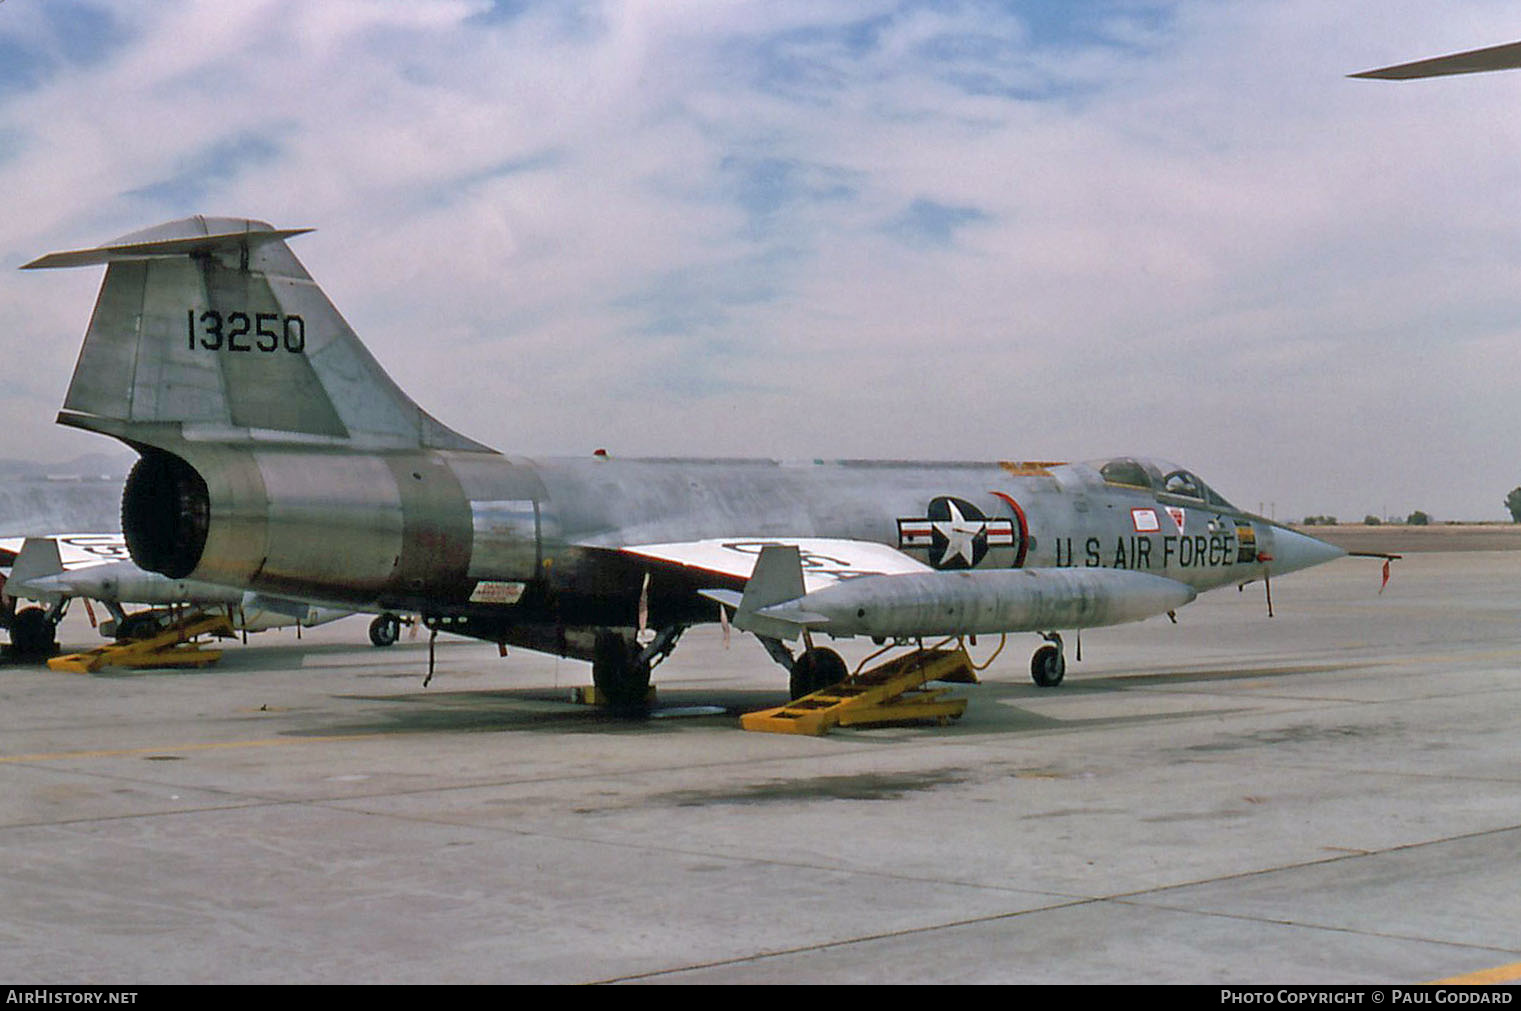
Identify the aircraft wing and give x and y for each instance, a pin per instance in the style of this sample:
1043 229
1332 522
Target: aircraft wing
75 551
825 560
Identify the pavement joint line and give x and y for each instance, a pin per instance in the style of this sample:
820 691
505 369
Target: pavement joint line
1131 899
1312 925
1124 898
849 941
996 917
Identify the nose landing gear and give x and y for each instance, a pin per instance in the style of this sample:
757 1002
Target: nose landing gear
1049 664
385 630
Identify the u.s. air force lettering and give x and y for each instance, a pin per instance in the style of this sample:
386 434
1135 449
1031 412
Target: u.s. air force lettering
1226 547
955 533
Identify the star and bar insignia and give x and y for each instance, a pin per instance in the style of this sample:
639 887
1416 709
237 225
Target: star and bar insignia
955 533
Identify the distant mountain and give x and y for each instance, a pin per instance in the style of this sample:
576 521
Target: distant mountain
88 467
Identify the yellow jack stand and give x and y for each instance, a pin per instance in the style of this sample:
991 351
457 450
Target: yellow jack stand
891 692
587 695
170 648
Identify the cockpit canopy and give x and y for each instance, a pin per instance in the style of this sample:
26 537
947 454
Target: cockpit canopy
1161 478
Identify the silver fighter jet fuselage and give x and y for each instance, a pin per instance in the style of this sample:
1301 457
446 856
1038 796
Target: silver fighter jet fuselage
277 456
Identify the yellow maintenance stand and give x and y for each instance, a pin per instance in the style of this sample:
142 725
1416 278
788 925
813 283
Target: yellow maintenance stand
173 647
892 692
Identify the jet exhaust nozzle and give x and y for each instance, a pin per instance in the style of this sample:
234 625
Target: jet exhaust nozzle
165 514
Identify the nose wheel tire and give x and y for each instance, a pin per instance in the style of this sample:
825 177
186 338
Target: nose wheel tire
1048 666
385 630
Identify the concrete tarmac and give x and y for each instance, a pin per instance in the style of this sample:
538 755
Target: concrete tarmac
1329 796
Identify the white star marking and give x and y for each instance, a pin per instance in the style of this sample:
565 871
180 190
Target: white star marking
959 532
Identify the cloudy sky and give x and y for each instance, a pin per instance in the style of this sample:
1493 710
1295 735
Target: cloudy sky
981 230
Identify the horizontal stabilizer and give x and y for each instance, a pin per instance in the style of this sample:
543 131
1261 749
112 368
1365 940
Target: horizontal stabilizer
788 627
191 246
728 598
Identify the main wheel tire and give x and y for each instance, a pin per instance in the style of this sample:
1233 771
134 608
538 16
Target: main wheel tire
622 682
816 669
32 635
385 630
1048 666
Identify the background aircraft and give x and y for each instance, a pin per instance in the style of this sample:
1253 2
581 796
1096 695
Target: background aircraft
277 456
56 570
1474 61
68 497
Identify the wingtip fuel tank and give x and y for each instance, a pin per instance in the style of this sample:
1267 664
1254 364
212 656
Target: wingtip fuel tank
983 602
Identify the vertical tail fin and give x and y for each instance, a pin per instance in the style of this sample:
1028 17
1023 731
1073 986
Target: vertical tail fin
211 328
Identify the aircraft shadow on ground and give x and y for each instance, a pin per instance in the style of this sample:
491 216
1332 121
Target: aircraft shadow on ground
994 707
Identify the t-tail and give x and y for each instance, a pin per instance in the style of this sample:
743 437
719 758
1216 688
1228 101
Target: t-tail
209 329
273 445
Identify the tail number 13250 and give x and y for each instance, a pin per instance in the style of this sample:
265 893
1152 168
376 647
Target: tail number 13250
214 330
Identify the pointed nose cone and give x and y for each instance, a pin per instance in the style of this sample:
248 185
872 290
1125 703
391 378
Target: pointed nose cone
1293 551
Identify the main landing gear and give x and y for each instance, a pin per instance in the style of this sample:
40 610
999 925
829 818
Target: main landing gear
622 682
34 634
815 668
34 630
621 667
